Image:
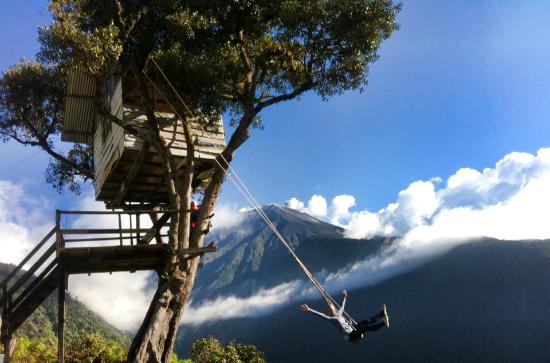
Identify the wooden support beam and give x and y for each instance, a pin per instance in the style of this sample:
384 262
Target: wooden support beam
9 347
134 169
13 344
61 318
115 258
114 238
155 231
196 250
155 220
5 333
115 231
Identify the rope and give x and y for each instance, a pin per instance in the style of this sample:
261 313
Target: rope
232 175
15 165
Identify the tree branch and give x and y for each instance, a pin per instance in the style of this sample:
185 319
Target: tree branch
284 97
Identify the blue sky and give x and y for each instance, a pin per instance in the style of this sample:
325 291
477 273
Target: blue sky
461 84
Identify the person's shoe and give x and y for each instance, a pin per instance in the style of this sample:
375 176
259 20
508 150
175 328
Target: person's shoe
385 316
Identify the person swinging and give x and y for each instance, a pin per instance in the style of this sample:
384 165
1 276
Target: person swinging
351 330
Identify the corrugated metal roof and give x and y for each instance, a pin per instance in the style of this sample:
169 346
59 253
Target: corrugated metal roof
78 120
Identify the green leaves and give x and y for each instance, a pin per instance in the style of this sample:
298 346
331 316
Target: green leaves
31 113
209 350
31 96
93 348
235 56
66 44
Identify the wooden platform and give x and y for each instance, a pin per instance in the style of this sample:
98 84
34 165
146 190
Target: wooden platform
60 254
114 258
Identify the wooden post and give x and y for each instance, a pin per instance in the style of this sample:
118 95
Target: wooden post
60 244
120 228
57 232
131 234
6 336
7 346
61 318
154 219
138 217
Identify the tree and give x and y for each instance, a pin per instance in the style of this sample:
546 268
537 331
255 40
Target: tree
31 113
94 348
209 350
222 56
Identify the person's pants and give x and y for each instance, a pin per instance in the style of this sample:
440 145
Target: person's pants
371 324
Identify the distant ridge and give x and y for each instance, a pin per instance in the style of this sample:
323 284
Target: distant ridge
483 301
42 322
250 257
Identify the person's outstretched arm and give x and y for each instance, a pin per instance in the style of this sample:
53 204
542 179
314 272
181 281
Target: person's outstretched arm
307 309
345 296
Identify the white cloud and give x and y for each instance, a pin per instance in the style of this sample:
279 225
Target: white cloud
340 207
508 201
23 222
493 195
316 206
229 307
121 298
227 216
295 203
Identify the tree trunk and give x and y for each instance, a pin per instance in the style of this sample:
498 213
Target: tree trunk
155 339
154 342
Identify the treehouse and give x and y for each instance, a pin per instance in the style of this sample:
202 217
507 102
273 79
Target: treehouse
126 171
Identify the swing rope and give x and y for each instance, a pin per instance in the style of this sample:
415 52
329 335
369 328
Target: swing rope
232 175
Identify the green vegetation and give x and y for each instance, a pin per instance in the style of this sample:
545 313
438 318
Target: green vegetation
83 348
94 348
225 57
34 351
209 350
40 326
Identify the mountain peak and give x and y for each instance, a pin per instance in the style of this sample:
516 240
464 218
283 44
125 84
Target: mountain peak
294 222
293 215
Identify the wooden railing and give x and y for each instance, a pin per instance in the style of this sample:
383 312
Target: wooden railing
127 227
44 258
19 284
25 287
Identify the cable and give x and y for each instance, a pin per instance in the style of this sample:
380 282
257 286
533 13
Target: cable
232 175
8 169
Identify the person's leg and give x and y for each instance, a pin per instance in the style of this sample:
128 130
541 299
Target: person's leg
355 336
374 322
382 314
371 324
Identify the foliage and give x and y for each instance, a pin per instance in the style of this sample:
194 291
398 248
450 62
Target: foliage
83 348
93 348
223 56
31 113
41 325
176 360
236 56
209 350
34 351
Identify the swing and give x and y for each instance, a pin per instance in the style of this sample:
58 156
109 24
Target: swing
234 177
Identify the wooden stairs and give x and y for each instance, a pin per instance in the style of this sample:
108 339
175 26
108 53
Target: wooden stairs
56 257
